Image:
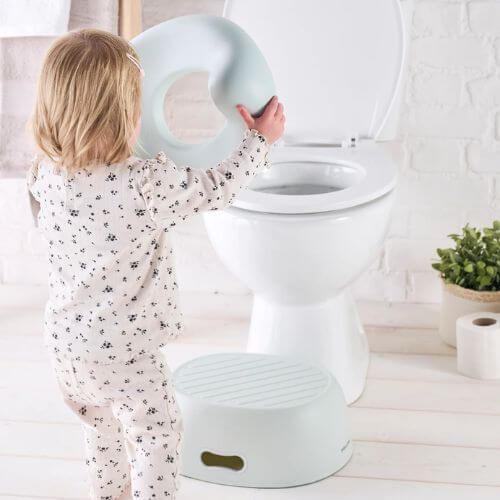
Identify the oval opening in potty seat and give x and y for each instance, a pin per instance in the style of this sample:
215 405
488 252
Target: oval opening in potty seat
239 74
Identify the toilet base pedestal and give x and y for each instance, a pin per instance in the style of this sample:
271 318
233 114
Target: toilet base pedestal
328 333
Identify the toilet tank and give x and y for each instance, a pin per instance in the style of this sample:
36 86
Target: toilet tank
339 65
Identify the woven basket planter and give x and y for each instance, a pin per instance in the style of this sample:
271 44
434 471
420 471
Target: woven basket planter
457 302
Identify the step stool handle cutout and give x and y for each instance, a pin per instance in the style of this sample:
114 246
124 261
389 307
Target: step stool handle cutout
233 462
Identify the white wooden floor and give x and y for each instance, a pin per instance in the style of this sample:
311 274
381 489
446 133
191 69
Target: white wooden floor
421 430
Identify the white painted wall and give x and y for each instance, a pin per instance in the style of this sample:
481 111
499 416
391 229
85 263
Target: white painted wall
448 147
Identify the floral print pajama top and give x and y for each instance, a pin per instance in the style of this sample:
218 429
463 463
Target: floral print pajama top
113 293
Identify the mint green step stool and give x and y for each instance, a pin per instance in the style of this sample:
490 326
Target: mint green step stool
260 420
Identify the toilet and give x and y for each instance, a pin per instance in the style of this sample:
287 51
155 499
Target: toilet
305 229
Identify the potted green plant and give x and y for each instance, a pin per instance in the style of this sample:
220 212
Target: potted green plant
470 274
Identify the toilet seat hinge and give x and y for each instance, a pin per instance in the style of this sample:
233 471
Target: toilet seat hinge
351 141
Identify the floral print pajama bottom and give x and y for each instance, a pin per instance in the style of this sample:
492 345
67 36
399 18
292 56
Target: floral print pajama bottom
132 424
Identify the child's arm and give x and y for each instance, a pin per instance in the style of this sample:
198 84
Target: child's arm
170 191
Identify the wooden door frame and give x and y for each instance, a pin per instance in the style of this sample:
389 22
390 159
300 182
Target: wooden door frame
129 18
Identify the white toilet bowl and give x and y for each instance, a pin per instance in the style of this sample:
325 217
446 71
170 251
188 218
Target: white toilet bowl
298 252
309 226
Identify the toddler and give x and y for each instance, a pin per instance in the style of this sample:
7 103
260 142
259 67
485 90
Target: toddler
107 217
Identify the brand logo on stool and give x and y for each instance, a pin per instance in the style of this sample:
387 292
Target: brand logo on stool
345 446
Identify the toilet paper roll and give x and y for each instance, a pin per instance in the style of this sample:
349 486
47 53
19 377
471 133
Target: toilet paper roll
478 345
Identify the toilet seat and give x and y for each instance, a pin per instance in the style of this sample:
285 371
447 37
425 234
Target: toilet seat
372 175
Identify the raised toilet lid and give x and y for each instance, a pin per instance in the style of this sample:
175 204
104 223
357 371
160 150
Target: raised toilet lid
337 64
251 380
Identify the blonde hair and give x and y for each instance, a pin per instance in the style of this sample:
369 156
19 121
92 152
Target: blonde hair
88 100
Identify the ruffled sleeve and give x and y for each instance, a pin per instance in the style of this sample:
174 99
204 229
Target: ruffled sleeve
31 192
171 191
32 174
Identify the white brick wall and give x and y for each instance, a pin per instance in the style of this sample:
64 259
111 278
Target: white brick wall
484 16
448 149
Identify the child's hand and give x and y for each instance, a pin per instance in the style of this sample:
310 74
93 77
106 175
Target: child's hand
270 124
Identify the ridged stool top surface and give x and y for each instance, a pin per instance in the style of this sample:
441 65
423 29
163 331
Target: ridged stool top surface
251 380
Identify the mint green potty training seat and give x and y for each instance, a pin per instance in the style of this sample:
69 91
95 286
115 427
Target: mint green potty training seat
238 72
260 420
